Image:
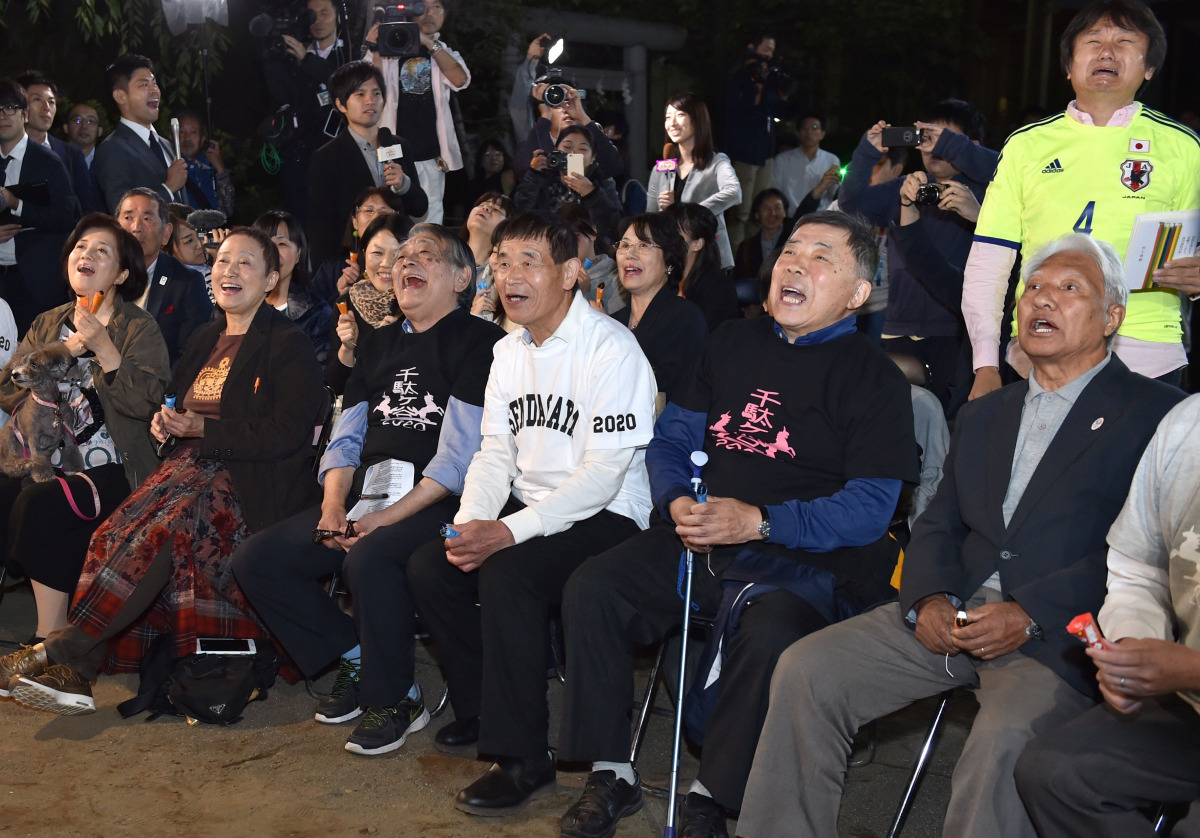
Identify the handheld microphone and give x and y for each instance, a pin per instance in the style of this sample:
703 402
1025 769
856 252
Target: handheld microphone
175 131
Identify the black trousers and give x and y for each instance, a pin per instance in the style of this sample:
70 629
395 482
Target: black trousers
494 654
627 597
44 536
280 570
1090 776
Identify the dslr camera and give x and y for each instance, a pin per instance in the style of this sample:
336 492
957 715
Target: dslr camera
278 20
555 94
930 193
556 161
399 35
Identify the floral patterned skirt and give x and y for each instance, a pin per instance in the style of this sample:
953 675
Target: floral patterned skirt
189 507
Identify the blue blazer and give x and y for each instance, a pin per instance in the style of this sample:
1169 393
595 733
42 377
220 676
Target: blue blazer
82 181
39 250
178 302
122 162
1052 555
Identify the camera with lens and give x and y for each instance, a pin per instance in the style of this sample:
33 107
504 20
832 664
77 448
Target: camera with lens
399 35
555 94
556 161
270 27
929 193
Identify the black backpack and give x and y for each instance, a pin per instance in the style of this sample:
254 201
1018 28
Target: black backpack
204 688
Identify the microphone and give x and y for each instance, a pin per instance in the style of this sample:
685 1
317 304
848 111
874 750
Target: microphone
205 221
175 131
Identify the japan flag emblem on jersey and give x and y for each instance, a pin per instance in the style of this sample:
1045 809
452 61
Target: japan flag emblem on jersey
1135 174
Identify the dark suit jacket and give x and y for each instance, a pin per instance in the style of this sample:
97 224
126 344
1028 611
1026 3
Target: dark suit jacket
82 182
337 173
1051 557
39 249
122 162
270 402
178 302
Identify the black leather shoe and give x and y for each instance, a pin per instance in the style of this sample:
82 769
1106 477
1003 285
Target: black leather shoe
458 736
702 817
507 786
605 800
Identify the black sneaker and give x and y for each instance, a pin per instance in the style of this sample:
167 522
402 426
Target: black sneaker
60 689
605 800
341 705
384 729
702 817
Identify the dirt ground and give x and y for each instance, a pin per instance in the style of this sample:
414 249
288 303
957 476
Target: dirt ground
280 773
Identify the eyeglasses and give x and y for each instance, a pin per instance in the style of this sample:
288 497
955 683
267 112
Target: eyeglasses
371 212
10 109
84 120
641 248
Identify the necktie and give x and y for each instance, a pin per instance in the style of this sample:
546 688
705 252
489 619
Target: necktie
3 169
156 144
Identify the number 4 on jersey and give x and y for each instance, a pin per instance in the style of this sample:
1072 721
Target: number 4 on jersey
1084 223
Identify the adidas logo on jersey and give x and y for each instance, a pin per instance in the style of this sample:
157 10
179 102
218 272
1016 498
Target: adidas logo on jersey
1053 168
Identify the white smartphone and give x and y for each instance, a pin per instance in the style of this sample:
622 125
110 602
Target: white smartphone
224 646
575 164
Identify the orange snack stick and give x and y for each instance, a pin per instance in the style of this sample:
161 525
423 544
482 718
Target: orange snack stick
343 307
1084 627
97 299
353 258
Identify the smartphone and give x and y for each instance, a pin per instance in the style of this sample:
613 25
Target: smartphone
575 164
901 136
224 646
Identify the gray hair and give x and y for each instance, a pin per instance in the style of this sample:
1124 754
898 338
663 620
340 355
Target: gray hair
456 251
860 236
164 216
1101 252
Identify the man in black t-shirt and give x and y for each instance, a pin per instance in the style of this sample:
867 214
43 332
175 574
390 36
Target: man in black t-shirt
418 88
809 433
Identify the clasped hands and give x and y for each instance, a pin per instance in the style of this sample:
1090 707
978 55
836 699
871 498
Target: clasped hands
714 523
992 630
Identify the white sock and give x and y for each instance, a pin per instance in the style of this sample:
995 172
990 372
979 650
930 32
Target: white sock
623 770
698 788
354 655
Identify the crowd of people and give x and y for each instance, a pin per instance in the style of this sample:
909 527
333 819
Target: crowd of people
514 406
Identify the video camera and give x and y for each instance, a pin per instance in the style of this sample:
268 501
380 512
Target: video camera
279 20
399 36
769 74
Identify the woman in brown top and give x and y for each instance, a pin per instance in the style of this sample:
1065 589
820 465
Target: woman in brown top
237 460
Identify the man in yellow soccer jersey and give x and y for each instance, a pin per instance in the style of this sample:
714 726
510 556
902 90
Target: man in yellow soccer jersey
1092 169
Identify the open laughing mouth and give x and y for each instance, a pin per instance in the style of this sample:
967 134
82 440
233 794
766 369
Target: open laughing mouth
793 296
1042 326
412 282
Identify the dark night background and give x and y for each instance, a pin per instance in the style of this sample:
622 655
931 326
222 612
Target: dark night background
856 61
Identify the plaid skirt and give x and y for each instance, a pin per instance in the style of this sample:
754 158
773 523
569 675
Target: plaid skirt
189 507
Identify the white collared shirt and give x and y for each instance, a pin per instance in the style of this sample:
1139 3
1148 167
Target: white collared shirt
8 250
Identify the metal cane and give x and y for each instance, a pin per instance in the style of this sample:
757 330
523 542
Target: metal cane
699 460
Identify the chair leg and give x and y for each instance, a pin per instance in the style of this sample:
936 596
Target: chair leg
443 702
919 766
639 732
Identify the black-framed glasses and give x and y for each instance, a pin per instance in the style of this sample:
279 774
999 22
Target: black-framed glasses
10 109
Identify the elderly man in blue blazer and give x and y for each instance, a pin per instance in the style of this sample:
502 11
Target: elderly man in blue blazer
1011 548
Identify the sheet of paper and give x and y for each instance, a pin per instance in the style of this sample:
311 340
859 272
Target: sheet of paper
1159 237
384 484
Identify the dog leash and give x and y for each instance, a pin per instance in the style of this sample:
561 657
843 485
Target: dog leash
71 500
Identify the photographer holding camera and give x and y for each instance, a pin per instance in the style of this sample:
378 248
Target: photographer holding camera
419 72
550 182
560 105
756 95
297 76
931 219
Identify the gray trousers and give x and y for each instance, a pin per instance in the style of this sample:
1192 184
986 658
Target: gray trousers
833 681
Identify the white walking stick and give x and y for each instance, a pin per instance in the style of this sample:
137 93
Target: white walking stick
699 460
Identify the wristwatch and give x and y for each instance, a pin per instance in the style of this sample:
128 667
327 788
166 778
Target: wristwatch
437 45
1034 632
764 527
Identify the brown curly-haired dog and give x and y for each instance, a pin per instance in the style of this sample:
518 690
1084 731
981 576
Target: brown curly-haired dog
38 425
